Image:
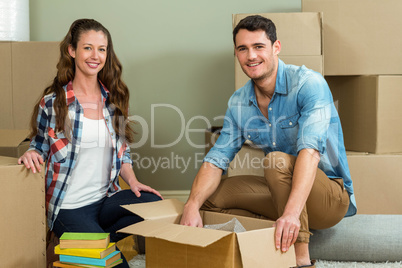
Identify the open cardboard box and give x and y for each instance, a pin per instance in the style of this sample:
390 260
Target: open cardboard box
169 244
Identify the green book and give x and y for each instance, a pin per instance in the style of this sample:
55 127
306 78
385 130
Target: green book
84 240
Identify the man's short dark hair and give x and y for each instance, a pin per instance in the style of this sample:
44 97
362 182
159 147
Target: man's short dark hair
255 23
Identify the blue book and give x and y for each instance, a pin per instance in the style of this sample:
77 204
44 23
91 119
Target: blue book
112 257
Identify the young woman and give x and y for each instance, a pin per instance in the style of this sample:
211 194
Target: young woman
80 130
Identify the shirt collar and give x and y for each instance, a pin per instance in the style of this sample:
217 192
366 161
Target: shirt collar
280 84
71 97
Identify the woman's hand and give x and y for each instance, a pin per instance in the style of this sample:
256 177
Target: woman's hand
32 160
137 187
286 232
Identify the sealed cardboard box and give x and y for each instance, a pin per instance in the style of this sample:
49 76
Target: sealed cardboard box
370 109
300 36
377 182
360 36
13 142
23 223
26 68
169 244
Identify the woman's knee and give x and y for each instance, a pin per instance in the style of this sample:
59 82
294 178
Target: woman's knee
149 197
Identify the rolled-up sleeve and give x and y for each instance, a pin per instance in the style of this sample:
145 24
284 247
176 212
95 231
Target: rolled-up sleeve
40 142
315 102
127 156
228 143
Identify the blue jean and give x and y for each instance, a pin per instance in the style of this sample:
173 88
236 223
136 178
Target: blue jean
105 215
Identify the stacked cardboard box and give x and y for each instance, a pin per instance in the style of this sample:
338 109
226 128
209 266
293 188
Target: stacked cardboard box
26 68
363 69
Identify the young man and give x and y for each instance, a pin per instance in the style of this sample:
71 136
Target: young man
287 111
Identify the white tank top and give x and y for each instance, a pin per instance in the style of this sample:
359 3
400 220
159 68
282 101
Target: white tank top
90 178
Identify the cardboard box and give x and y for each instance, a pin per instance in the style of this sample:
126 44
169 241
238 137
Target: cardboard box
370 109
26 68
248 161
377 182
300 36
23 223
13 142
169 244
359 35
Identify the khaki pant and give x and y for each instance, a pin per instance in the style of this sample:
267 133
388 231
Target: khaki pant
266 197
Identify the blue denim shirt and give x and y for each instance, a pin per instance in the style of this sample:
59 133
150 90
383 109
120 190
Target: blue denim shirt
301 114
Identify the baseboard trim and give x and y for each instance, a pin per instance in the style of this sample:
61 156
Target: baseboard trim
181 195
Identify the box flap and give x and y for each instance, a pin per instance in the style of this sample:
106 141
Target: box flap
12 137
167 208
176 233
254 246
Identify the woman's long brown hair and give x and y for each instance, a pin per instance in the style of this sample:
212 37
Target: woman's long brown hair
110 76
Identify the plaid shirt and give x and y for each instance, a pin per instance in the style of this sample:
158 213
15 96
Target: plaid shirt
60 150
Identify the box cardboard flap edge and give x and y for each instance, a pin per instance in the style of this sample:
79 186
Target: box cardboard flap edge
158 223
163 209
176 233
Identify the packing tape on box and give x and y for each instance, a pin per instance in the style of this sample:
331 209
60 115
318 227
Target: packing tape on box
14 20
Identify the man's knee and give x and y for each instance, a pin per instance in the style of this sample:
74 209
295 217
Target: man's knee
278 162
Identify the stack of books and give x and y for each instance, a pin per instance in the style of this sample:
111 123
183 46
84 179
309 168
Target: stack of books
89 250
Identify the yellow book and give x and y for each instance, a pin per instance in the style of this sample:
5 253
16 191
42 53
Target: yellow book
98 253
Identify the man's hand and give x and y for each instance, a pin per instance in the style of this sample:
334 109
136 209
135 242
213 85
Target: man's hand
286 232
32 160
191 216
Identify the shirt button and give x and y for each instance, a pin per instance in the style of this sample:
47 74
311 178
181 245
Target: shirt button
270 125
111 134
290 123
270 108
273 143
107 120
249 136
112 166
